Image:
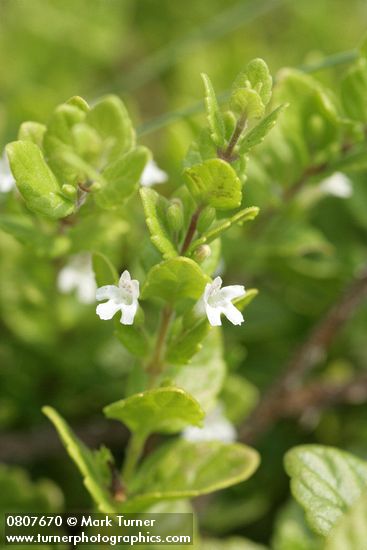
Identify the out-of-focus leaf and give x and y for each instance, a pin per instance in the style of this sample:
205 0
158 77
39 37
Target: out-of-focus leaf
351 530
326 482
184 470
353 90
292 532
32 131
233 543
93 465
203 377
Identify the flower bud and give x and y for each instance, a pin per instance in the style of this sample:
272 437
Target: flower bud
69 191
206 218
175 215
201 253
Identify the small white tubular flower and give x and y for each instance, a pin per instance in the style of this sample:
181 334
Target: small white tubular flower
216 428
217 300
123 297
338 184
7 182
152 174
78 275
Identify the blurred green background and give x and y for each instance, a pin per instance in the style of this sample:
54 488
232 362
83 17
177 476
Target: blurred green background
54 350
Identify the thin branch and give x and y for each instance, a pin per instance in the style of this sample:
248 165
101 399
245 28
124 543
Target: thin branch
318 396
306 357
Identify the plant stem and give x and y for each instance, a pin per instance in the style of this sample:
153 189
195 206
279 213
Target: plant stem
133 453
155 364
191 230
227 154
154 367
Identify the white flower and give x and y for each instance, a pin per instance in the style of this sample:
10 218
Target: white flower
217 300
78 275
216 428
7 182
338 185
123 297
152 174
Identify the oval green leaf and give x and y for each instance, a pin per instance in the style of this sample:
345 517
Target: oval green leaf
162 410
214 182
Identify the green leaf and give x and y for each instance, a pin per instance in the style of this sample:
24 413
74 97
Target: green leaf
242 303
111 120
214 182
32 131
155 207
58 141
311 117
257 134
247 214
239 397
247 102
174 280
257 77
326 482
78 102
215 119
291 531
185 470
35 181
19 493
351 530
133 338
122 178
187 343
353 91
233 543
161 410
203 377
93 465
27 232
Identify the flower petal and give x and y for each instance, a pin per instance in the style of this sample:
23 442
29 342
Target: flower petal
128 314
125 277
135 290
152 174
107 311
213 315
232 291
233 314
108 291
212 288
